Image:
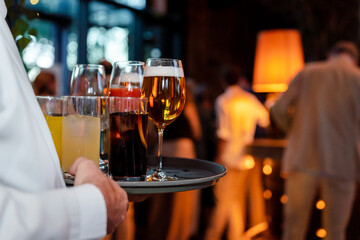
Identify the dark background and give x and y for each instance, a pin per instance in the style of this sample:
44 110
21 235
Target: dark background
224 32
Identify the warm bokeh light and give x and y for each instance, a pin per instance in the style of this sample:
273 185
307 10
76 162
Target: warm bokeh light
278 57
267 169
320 204
268 161
321 233
284 199
249 162
267 194
34 2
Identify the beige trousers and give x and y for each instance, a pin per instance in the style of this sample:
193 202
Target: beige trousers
301 189
231 195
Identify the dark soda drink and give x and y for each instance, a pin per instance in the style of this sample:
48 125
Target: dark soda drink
128 146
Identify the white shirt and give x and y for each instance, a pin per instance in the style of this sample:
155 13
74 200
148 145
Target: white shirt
238 112
34 203
321 110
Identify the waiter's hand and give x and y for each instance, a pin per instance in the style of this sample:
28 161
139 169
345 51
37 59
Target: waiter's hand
116 200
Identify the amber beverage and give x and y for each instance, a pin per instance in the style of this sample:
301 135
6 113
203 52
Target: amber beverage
164 86
52 108
54 123
166 96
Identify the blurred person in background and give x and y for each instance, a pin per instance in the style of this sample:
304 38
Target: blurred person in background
45 84
320 112
238 112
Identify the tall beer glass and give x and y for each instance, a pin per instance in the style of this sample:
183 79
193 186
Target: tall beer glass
164 86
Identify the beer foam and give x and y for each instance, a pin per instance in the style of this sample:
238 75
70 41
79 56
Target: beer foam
151 71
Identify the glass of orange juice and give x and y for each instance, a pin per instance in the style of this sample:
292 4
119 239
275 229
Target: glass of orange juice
126 79
52 108
80 129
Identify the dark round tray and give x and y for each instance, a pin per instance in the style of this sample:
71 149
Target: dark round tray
192 174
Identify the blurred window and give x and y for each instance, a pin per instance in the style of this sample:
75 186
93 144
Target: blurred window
58 7
110 44
88 31
40 52
137 4
71 51
109 34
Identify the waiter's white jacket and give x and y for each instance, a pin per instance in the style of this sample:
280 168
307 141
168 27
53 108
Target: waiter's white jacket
34 203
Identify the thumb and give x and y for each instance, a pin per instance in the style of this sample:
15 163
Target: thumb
74 167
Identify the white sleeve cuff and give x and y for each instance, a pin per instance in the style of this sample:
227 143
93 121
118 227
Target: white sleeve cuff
92 211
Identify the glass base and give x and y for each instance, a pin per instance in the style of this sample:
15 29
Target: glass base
160 176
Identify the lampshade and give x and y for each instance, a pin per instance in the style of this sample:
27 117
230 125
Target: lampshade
278 57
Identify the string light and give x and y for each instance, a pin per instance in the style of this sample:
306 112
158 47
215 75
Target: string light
267 194
249 162
321 233
267 169
284 199
320 204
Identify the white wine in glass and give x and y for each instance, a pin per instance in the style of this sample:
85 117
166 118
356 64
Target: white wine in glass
164 86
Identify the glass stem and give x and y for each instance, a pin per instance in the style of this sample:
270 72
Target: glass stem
160 138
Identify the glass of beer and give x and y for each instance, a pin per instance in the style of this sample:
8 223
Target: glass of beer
52 108
88 80
126 79
128 138
81 129
164 86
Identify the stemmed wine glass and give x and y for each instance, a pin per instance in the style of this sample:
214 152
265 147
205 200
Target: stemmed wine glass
164 86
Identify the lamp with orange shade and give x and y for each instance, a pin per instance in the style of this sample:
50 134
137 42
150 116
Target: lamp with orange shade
278 57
